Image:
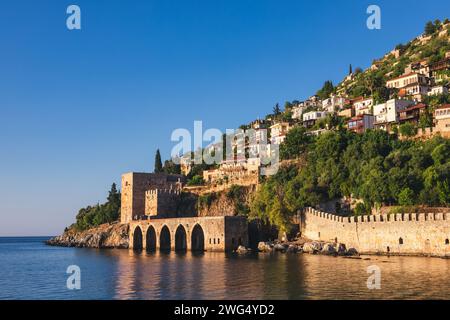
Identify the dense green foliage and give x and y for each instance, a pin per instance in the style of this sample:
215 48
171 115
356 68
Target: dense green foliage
271 204
372 81
93 216
205 200
331 121
375 167
295 144
437 100
171 167
196 180
430 28
237 194
407 129
326 90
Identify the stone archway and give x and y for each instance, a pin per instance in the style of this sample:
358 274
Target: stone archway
151 239
180 239
197 239
137 239
164 239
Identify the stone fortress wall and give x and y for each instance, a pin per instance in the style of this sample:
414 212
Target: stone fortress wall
160 201
134 188
403 234
151 207
196 234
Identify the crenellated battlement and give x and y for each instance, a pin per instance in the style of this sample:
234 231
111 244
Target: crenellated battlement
394 217
136 201
401 233
171 192
162 202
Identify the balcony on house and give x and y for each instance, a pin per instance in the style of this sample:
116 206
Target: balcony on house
412 114
360 123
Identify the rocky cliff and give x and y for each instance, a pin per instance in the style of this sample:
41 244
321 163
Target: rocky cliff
113 235
229 202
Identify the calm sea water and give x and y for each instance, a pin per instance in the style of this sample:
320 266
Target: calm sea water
31 270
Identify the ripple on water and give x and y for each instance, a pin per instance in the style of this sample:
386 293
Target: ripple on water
31 270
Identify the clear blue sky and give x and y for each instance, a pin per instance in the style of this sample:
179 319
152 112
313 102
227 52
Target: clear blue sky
79 108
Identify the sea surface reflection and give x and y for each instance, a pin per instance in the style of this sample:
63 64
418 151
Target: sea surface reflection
32 270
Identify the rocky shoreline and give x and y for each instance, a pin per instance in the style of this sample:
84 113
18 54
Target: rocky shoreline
105 236
323 248
115 236
304 246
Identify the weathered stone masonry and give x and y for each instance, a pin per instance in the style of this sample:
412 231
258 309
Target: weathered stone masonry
150 206
196 234
162 200
408 234
134 188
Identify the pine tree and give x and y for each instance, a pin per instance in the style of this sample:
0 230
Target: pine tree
277 109
350 71
112 207
430 28
326 90
113 193
158 162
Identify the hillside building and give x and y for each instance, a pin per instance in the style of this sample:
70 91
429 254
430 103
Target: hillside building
386 114
442 120
362 105
310 118
361 123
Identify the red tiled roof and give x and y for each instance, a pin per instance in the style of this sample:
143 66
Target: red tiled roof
359 99
359 117
444 106
415 84
356 99
420 62
403 76
417 106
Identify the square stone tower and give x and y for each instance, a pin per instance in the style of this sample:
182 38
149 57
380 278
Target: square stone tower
162 203
134 187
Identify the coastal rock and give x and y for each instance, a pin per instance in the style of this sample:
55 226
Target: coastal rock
352 252
104 236
329 249
279 247
312 247
264 247
292 248
241 249
341 249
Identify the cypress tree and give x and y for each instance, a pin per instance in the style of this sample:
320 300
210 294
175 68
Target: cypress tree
277 109
158 162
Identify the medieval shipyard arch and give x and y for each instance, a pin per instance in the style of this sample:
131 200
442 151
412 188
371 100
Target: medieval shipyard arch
188 234
150 204
150 239
180 239
198 239
137 238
